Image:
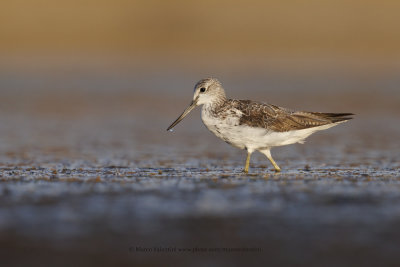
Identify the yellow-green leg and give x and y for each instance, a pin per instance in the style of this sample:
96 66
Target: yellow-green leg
268 154
277 169
246 167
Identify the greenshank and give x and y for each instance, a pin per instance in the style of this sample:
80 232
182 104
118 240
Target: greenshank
252 125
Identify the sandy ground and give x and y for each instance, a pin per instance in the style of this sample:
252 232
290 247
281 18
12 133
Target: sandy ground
94 179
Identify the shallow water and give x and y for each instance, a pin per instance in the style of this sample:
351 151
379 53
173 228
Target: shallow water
104 181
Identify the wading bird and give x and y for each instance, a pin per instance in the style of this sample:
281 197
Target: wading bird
251 125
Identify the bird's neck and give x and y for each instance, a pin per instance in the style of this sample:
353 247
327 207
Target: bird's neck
218 101
216 104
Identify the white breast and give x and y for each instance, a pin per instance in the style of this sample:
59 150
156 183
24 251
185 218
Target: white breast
225 126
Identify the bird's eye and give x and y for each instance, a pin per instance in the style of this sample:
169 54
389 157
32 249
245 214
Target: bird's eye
202 90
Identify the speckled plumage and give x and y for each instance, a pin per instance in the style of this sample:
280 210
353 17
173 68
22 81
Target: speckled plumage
274 118
253 125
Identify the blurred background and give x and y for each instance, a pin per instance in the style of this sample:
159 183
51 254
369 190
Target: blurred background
157 50
133 64
88 89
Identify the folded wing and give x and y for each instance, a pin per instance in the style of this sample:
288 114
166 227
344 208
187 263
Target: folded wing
278 119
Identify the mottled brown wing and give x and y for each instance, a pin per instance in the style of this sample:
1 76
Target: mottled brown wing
279 119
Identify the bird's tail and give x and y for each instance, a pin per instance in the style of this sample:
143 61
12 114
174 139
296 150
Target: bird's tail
334 117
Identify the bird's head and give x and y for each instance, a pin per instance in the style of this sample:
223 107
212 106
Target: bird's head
206 91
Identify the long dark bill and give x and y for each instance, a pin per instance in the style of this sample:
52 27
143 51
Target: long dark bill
183 115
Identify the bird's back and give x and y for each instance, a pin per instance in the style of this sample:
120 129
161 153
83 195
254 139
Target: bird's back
278 119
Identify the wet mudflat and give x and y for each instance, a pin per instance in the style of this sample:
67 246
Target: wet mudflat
103 200
103 186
